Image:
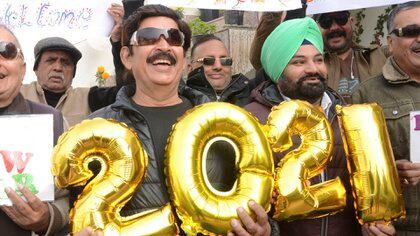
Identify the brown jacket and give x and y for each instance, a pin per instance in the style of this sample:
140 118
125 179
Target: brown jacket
60 207
73 104
344 223
398 95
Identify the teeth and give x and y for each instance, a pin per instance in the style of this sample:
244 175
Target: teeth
161 61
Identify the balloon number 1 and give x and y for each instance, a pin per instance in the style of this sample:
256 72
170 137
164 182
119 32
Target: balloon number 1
374 178
201 207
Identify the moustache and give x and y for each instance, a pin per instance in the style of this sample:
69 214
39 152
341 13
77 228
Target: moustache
56 74
161 56
316 75
336 33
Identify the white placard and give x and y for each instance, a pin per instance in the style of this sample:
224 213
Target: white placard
26 143
61 17
415 136
321 6
245 5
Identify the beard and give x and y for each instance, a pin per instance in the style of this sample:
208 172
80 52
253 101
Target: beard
310 92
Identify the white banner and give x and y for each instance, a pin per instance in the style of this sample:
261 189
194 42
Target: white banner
322 6
245 5
415 136
58 17
26 143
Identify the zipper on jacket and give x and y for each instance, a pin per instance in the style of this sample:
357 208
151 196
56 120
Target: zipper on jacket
218 97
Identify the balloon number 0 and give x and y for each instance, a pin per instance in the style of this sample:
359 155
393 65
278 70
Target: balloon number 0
201 207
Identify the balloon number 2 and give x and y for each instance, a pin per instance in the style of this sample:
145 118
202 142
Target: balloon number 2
201 207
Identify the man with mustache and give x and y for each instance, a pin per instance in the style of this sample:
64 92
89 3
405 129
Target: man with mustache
155 41
294 68
55 67
397 91
348 63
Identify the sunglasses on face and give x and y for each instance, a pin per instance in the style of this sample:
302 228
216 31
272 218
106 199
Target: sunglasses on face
327 21
151 35
209 61
8 50
410 31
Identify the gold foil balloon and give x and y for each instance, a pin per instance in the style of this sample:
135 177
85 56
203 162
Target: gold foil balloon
123 162
298 200
201 207
375 183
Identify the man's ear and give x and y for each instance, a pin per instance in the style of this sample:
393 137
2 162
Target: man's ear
389 39
125 55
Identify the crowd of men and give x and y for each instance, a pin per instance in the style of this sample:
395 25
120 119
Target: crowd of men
296 57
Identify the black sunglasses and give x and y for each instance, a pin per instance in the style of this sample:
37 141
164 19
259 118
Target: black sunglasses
8 50
209 61
409 31
151 35
327 21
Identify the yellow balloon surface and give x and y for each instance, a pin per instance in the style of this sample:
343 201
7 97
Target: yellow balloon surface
123 162
370 160
298 200
201 207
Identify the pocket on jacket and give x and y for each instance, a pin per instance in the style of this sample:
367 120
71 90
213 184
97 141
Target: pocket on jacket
397 116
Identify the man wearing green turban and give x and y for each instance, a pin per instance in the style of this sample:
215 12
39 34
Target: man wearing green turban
294 68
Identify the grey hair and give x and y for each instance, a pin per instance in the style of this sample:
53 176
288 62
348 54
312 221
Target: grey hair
398 9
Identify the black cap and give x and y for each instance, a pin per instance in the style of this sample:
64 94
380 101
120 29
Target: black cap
56 43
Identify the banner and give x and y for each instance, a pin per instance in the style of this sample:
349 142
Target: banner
79 17
245 5
26 143
415 136
322 6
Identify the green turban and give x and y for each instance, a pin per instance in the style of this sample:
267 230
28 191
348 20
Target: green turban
282 44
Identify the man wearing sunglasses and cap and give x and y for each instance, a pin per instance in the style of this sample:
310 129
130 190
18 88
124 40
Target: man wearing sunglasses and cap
294 68
28 213
155 41
397 91
210 72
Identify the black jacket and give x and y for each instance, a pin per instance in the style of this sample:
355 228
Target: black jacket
237 92
152 192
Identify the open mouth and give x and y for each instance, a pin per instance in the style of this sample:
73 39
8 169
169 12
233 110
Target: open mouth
162 62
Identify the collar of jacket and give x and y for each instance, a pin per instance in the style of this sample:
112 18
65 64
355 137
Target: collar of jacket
268 94
197 80
355 47
123 99
18 106
393 73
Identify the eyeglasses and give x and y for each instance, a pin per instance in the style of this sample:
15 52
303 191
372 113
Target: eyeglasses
8 50
209 61
151 35
327 21
410 31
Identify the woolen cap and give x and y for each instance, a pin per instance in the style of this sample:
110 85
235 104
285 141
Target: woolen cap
56 43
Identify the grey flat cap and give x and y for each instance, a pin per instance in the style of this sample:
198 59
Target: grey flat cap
55 43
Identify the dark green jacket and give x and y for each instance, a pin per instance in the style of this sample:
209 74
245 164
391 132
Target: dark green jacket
397 94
